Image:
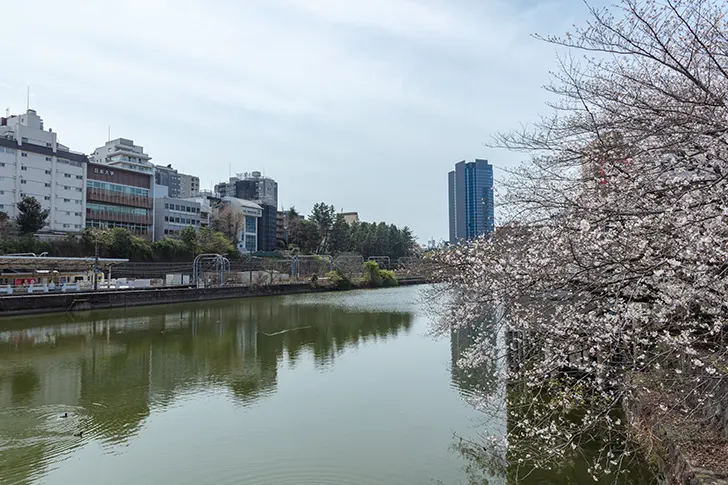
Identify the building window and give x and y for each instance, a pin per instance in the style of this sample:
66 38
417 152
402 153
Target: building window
79 189
23 181
23 154
166 206
79 177
66 200
24 168
2 164
117 209
47 184
47 172
48 159
66 187
65 226
77 226
166 218
77 214
67 175
250 225
49 145
47 197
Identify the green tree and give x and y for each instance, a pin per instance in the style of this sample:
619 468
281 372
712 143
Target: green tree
31 217
339 237
322 216
211 241
189 238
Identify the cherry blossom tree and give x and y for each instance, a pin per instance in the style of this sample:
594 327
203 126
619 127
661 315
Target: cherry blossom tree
610 273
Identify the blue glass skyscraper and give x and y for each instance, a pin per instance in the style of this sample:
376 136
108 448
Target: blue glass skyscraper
470 196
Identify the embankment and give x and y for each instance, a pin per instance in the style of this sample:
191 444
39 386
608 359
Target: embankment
69 302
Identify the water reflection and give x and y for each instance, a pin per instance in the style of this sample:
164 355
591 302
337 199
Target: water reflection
110 370
488 459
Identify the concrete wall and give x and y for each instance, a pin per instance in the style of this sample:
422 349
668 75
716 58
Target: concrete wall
46 303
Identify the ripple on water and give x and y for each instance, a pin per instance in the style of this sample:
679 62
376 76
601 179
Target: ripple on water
289 472
33 439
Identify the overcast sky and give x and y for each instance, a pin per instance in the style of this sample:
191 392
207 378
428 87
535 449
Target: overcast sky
363 104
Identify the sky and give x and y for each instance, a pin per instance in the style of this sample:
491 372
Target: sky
363 104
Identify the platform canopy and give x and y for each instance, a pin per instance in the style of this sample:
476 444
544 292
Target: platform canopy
10 263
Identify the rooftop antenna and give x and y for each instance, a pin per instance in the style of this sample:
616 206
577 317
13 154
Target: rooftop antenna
109 133
27 101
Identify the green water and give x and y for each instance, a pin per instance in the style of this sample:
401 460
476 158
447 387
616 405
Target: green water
314 389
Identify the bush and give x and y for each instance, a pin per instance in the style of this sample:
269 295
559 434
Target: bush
338 281
374 277
388 278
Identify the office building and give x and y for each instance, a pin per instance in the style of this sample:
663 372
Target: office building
250 226
263 191
189 186
120 197
33 163
470 199
172 215
179 185
168 177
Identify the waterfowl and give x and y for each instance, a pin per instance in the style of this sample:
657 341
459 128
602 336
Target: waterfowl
79 434
65 415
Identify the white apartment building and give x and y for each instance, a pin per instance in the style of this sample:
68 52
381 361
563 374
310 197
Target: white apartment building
33 163
123 153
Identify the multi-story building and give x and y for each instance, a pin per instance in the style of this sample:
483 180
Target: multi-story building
470 198
207 202
282 226
168 177
351 217
33 163
252 212
189 186
254 186
179 185
123 153
171 215
120 197
264 192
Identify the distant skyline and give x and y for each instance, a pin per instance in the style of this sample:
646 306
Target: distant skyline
365 105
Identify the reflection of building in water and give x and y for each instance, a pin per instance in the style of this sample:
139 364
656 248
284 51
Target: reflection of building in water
111 371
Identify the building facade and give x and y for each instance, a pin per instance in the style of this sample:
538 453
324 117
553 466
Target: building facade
172 215
351 217
120 197
124 154
471 200
168 177
33 163
189 186
263 191
179 185
250 225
